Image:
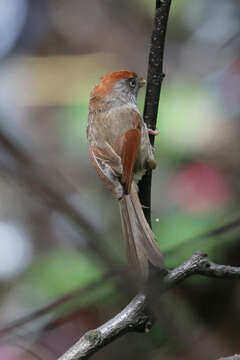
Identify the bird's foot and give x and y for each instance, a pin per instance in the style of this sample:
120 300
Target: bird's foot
153 132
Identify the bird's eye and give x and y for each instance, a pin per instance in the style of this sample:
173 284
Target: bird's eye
132 83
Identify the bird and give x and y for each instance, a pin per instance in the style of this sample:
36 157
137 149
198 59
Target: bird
121 152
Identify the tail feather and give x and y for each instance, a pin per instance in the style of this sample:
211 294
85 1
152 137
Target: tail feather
142 247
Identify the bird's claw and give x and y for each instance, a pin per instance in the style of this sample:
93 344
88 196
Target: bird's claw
153 132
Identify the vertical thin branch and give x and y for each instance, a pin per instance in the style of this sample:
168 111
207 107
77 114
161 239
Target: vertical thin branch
154 83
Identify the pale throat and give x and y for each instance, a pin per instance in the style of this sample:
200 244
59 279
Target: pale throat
122 96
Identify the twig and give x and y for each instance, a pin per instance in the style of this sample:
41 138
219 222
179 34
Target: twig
154 83
132 318
83 291
218 231
35 178
14 150
135 317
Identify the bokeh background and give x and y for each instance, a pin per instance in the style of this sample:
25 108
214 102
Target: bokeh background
52 53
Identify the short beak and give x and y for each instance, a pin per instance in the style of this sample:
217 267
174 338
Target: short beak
142 82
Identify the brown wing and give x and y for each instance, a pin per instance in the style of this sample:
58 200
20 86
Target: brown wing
127 148
115 161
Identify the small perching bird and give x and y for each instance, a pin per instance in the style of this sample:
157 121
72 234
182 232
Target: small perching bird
121 152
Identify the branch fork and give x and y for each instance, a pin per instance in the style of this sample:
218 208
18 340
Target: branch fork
136 316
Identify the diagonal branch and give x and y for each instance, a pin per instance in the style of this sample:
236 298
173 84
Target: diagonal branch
136 317
36 179
54 305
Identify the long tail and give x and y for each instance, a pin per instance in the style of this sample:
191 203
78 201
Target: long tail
142 247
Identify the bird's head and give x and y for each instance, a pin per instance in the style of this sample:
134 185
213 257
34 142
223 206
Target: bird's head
119 88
